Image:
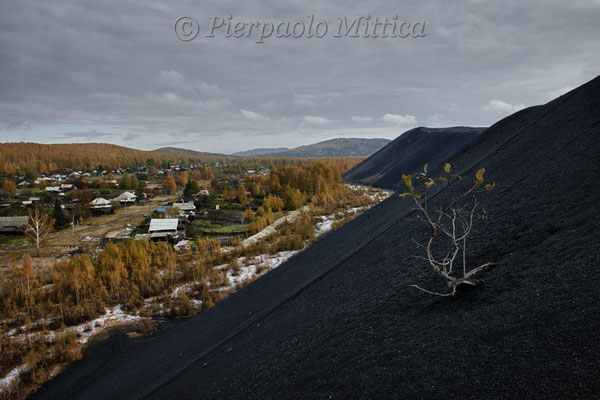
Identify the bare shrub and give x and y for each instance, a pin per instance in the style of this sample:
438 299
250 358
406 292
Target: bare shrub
449 227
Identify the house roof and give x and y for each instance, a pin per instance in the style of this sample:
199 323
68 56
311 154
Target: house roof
17 222
163 224
100 202
126 196
184 206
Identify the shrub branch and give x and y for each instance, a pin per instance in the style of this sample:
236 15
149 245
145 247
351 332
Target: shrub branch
450 226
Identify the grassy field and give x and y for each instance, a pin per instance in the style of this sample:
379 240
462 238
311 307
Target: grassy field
211 227
12 240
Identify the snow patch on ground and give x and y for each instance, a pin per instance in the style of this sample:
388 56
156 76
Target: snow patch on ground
249 268
12 378
113 316
375 195
85 331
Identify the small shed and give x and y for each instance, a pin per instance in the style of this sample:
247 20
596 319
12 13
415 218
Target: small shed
184 207
162 209
166 225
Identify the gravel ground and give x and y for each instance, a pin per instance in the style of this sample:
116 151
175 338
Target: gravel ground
409 152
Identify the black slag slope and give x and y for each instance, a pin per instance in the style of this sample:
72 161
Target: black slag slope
409 152
340 321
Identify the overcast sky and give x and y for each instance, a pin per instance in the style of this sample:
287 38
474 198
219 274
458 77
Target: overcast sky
114 71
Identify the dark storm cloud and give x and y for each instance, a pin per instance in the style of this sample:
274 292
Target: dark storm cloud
117 67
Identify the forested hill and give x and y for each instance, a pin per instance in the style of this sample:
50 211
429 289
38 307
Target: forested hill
22 156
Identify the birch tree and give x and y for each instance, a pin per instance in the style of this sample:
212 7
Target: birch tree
38 227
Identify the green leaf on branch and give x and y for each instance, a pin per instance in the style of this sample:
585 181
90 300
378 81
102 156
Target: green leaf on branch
479 176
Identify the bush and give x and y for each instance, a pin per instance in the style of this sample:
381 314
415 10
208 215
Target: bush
449 227
183 306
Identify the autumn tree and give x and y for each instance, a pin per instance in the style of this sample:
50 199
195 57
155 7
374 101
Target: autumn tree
84 196
292 198
9 187
182 179
42 167
37 228
274 203
229 195
184 307
170 185
28 272
241 195
31 360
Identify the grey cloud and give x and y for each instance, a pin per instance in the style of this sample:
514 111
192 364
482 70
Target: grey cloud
91 134
74 66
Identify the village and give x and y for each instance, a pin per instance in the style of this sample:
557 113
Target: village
170 200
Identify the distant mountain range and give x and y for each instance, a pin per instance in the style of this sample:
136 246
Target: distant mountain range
261 152
340 147
177 150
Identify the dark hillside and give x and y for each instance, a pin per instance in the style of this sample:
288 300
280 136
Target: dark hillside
338 320
409 152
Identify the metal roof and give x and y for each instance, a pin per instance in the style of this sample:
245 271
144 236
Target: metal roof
125 196
17 222
163 224
184 206
99 201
